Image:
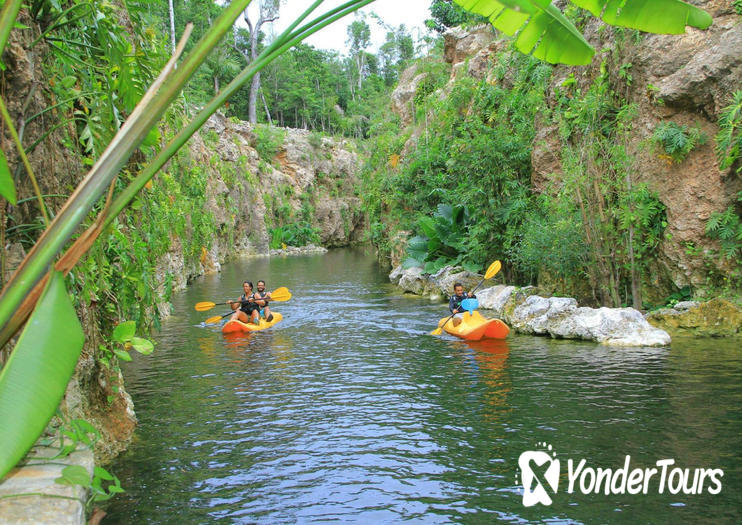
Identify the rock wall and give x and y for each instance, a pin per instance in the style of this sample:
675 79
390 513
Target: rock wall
307 170
686 79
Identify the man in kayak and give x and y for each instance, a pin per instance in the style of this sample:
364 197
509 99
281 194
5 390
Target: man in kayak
245 308
454 304
261 299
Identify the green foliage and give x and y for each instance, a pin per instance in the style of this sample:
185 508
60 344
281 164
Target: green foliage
729 138
7 187
641 210
474 151
106 66
541 29
676 140
103 485
269 141
551 239
442 240
35 377
737 7
446 14
294 234
726 227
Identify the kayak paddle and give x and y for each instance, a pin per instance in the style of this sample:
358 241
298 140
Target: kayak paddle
217 318
278 295
491 271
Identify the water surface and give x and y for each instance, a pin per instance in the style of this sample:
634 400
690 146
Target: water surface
348 411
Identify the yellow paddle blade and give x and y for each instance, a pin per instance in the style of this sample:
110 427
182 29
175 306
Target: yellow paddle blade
280 294
205 305
437 331
215 319
493 269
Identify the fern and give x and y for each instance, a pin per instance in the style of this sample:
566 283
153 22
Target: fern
729 138
726 227
678 141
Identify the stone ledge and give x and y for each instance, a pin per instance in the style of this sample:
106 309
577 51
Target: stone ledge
39 500
529 313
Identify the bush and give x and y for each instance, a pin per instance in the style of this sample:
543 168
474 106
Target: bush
294 234
678 141
729 138
269 141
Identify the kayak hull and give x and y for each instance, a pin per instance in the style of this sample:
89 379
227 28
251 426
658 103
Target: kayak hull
235 326
474 327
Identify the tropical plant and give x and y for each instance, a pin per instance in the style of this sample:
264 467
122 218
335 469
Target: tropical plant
442 241
294 234
729 138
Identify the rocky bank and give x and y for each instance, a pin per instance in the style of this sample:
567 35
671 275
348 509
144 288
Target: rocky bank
529 313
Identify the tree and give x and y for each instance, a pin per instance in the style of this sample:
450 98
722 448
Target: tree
171 11
267 12
447 14
394 53
359 38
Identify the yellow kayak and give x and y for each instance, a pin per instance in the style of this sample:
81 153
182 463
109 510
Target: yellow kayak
238 326
474 327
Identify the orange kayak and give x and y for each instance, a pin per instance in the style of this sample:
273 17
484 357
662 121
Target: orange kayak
231 327
474 327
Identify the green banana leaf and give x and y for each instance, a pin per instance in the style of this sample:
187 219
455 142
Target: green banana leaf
542 30
653 16
35 377
545 32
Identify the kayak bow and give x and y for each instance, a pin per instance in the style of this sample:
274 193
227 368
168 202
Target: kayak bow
474 327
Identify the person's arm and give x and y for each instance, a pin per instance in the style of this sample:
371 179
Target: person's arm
233 304
452 304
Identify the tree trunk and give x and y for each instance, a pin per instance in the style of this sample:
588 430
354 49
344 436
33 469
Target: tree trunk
172 26
252 113
265 12
265 106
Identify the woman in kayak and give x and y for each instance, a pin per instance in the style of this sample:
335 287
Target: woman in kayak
261 299
245 308
454 304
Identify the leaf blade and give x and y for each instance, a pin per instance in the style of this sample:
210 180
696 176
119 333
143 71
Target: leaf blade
7 186
35 377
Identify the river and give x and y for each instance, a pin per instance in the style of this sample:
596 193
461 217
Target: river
349 411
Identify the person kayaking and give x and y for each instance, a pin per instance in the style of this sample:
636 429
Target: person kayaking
454 304
245 308
261 299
